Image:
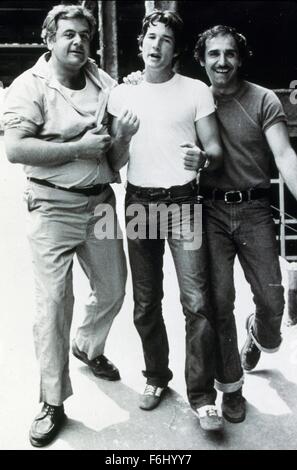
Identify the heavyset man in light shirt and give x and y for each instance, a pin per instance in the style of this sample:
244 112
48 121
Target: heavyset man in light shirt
56 126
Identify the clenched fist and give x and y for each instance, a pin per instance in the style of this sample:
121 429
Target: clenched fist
194 157
93 144
127 125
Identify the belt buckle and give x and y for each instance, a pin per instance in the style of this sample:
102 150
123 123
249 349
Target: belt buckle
239 193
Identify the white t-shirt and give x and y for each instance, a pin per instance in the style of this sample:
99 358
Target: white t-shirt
168 112
85 99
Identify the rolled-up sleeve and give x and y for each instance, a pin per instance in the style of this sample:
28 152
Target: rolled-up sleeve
23 105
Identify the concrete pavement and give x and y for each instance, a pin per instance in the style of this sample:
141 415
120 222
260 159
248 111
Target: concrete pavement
104 415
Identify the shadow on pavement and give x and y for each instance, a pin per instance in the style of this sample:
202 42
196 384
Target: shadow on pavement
171 426
275 430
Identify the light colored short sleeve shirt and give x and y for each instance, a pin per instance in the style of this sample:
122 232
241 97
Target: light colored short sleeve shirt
38 104
243 120
168 113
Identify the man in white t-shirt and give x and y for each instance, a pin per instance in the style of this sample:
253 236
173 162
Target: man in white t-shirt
176 119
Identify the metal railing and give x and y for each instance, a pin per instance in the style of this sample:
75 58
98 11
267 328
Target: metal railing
285 221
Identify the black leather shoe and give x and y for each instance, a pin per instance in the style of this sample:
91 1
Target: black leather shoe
46 425
250 353
100 366
233 407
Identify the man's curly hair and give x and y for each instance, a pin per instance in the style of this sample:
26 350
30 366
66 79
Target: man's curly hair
221 30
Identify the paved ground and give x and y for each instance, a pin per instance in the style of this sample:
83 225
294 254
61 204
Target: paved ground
105 415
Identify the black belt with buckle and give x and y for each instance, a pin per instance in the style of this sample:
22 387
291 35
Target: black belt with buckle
87 191
185 190
236 196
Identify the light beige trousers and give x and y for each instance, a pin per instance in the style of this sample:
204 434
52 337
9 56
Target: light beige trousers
62 224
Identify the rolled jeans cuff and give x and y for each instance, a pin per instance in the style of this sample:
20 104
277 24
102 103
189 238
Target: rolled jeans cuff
229 388
261 348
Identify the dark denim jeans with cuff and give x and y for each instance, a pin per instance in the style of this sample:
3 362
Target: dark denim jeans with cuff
246 230
146 260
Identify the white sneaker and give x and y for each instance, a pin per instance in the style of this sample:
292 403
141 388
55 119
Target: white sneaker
151 397
209 418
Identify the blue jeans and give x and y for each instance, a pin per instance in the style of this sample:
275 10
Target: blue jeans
246 230
146 260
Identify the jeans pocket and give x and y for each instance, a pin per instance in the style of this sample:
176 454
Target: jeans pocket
265 236
183 200
262 203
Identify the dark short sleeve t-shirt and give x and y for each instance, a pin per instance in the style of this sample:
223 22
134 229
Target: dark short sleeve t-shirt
243 119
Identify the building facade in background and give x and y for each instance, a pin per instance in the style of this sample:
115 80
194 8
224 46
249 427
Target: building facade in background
269 27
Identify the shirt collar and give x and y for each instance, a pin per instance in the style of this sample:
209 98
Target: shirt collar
43 70
236 95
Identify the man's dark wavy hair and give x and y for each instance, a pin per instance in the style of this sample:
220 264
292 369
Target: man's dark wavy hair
66 12
221 30
168 18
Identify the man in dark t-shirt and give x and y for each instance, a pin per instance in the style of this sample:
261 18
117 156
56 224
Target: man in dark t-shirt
238 217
